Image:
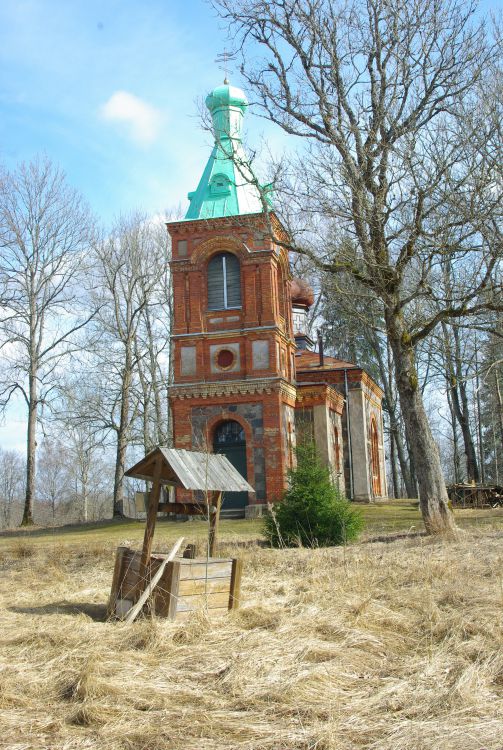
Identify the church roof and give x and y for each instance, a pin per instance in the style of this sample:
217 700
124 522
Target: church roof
307 360
227 186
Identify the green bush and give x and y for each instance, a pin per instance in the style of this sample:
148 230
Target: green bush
313 512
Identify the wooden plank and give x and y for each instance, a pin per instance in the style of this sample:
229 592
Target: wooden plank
131 571
200 585
161 594
150 527
133 613
116 579
166 592
213 533
173 592
235 586
201 601
199 570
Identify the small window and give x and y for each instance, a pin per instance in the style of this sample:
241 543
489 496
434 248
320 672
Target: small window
220 185
224 282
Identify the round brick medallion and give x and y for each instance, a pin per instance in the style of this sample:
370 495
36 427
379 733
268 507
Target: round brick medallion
225 359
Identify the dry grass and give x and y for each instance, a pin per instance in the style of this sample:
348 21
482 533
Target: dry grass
376 646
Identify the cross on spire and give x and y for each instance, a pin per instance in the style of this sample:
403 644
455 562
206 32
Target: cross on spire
222 60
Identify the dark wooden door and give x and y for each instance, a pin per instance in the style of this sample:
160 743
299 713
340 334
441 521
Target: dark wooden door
229 439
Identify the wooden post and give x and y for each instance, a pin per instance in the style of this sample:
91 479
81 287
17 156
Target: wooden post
174 584
213 532
153 506
235 586
116 580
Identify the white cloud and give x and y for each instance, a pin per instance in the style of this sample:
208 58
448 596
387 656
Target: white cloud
142 119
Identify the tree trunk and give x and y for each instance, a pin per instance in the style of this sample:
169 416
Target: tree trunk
499 402
405 467
394 414
85 491
31 452
460 404
160 428
120 465
455 446
433 497
394 472
472 468
122 436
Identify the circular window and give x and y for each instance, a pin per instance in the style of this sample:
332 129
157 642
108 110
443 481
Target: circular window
225 359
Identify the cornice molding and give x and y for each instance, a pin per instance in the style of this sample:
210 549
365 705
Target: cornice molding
372 386
320 394
233 388
196 226
233 333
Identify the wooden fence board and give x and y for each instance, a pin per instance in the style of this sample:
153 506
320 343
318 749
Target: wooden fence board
191 570
200 586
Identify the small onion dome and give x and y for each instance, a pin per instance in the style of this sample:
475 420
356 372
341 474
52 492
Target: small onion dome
226 96
301 293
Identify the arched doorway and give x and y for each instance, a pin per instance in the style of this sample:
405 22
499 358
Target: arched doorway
229 439
374 459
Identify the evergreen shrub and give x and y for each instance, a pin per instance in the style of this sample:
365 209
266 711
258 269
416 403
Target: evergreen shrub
313 512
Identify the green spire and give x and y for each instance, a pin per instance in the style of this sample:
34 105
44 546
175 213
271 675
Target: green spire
227 187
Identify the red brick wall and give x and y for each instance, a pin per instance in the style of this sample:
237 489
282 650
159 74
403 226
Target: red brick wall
265 306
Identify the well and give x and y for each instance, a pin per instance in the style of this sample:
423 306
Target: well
186 585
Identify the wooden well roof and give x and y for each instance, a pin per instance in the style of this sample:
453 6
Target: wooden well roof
191 470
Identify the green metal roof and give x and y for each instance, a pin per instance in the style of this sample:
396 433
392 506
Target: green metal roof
228 186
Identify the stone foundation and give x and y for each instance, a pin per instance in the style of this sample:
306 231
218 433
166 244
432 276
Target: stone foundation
255 511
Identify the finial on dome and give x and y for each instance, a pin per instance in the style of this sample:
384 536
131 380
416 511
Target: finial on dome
226 81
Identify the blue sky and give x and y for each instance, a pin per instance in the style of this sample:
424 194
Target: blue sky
108 90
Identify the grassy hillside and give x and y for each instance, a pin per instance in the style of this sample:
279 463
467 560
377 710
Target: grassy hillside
377 646
401 516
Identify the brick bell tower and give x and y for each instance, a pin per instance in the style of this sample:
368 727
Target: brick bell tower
233 388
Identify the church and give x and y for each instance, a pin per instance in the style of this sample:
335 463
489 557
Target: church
246 380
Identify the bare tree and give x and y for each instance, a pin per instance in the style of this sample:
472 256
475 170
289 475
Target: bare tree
55 475
11 483
131 272
152 343
491 397
457 365
354 328
44 234
372 90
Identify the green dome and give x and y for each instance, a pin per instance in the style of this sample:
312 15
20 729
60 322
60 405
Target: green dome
228 186
226 96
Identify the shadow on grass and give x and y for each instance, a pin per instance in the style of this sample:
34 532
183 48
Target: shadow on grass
97 612
394 537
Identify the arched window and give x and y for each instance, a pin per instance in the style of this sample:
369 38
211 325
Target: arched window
224 282
228 433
